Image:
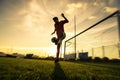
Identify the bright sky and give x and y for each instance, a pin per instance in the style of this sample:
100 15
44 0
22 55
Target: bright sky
28 24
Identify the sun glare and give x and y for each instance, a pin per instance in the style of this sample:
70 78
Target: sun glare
52 51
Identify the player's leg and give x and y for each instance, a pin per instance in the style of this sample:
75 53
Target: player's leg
58 48
62 36
57 54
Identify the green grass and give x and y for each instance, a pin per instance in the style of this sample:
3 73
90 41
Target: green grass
28 69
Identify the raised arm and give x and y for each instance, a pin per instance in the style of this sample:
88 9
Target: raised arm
53 32
64 18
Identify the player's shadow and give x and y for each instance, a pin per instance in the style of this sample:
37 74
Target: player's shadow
58 73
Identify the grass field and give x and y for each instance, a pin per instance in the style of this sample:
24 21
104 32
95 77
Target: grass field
28 69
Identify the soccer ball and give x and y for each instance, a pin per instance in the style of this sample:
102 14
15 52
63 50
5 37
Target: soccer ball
54 39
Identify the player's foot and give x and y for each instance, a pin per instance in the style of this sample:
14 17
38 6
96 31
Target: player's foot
56 61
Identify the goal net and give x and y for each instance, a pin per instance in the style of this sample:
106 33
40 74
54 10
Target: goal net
99 40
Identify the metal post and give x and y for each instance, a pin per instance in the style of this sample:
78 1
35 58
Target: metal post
64 49
118 17
92 53
75 37
103 51
119 50
61 51
93 25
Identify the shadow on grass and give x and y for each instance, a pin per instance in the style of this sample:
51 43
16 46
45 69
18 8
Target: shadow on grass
58 73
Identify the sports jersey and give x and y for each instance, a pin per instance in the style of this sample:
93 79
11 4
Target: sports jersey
59 27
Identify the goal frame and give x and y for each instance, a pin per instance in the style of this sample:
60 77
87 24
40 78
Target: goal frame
111 15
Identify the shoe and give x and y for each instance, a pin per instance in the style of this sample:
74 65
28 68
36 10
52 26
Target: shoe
56 61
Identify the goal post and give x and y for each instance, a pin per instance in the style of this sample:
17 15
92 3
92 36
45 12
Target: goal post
94 25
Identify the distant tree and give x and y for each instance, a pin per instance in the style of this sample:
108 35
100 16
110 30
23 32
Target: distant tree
50 58
9 55
90 58
35 57
115 60
97 59
2 54
15 54
106 59
29 56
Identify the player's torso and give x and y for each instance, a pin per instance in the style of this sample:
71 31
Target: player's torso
59 27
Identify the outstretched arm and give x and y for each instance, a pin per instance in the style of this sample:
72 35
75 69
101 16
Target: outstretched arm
53 32
64 17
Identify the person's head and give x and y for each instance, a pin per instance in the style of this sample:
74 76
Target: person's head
55 19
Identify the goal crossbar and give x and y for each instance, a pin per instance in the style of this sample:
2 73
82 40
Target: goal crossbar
94 25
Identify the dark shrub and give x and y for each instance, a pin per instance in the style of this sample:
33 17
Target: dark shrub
29 56
115 60
105 59
9 55
97 59
89 58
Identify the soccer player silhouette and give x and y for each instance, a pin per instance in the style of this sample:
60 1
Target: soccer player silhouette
59 29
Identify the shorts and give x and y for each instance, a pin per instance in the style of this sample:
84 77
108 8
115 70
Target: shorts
60 37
